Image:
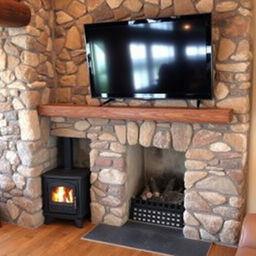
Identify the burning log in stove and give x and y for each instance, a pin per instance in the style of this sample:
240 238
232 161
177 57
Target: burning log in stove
164 189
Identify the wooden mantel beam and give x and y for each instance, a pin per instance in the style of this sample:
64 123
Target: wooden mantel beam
14 13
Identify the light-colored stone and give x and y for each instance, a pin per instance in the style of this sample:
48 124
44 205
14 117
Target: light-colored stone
162 139
30 58
226 6
114 3
68 132
107 137
220 147
3 60
29 205
243 51
7 76
117 147
30 220
213 197
194 202
12 157
113 220
30 171
120 131
29 125
132 133
189 219
6 183
5 166
33 188
93 177
199 154
110 154
170 103
191 177
120 211
19 180
237 141
237 202
62 17
230 232
93 4
218 183
82 125
26 73
240 105
76 9
12 209
73 41
112 176
111 201
31 99
93 155
212 224
207 236
227 212
181 136
194 164
183 7
233 67
97 212
191 232
147 130
133 5
68 80
165 3
204 6
221 91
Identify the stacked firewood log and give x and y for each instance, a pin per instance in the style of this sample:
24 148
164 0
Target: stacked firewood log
164 189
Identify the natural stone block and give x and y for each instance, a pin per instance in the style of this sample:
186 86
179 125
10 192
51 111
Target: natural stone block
183 7
170 103
191 177
227 212
189 219
67 132
150 10
30 220
237 202
211 224
147 130
240 105
5 107
205 137
12 209
243 51
230 232
103 12
6 183
12 157
112 176
162 139
99 145
26 73
73 41
33 188
119 163
107 137
221 91
181 136
237 141
97 212
226 6
207 236
194 164
132 133
133 5
165 3
110 201
233 67
120 131
103 162
30 58
191 232
231 163
68 80
93 155
62 17
219 147
114 3
30 172
199 154
31 99
204 6
194 202
226 49
113 220
117 147
82 125
29 125
5 166
30 205
93 4
19 180
217 183
213 198
120 211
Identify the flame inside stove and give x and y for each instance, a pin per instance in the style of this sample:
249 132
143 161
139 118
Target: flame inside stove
63 194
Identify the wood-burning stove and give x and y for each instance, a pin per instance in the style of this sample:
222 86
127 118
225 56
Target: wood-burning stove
66 190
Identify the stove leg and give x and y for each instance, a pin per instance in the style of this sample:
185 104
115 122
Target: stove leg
79 223
48 220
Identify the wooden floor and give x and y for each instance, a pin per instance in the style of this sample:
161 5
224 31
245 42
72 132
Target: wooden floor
63 239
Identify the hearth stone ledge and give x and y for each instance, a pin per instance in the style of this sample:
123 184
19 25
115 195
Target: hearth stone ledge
215 164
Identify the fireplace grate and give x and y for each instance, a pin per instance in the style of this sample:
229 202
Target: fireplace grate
155 212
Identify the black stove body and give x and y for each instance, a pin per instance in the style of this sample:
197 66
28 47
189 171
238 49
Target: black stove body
66 191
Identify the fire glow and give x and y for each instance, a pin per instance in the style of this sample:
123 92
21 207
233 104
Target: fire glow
63 194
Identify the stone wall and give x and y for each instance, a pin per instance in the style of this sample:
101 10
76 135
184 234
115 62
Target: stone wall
26 150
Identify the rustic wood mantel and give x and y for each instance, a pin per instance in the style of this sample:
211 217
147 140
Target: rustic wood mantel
191 115
13 13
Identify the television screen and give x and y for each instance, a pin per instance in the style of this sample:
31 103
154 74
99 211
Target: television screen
151 58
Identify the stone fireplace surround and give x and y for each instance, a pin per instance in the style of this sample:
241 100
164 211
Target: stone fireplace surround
44 63
213 178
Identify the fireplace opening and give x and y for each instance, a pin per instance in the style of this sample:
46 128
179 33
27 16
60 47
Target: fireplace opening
157 189
66 189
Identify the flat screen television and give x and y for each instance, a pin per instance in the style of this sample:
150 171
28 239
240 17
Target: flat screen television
163 58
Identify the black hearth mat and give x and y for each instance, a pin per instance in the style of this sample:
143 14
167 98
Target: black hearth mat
147 237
